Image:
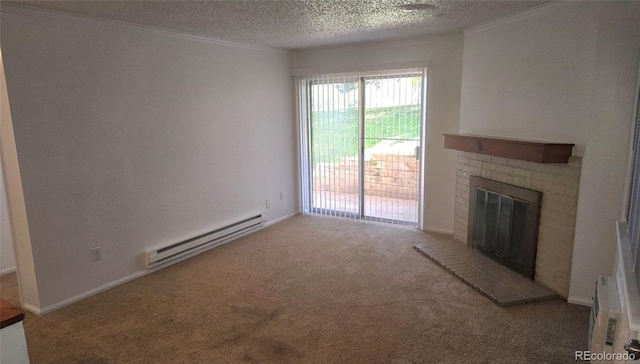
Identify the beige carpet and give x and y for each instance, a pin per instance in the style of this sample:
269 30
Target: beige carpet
9 289
307 290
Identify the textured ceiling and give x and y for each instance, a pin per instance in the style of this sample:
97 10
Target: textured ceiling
296 24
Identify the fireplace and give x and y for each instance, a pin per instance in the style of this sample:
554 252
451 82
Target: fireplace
503 223
542 166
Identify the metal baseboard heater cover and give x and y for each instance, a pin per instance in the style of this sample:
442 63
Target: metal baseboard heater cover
205 241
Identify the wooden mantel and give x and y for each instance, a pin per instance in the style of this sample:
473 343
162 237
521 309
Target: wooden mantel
527 150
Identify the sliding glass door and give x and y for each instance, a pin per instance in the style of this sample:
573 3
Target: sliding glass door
363 144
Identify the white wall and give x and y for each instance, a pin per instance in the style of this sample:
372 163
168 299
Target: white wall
531 77
566 73
609 125
7 261
131 138
443 54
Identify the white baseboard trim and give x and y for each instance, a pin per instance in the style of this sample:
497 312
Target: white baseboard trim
32 309
436 230
87 294
107 286
580 301
7 271
281 219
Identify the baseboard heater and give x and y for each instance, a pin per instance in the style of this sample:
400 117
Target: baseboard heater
202 242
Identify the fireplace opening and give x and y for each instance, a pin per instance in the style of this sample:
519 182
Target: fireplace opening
503 223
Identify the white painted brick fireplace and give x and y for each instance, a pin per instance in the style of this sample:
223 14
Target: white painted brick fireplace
559 184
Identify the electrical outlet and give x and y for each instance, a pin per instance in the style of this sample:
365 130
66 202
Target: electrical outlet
281 196
268 204
96 254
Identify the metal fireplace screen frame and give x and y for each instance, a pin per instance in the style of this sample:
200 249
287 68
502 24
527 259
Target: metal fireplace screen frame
525 261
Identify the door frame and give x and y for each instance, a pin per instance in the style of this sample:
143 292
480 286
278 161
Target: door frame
303 101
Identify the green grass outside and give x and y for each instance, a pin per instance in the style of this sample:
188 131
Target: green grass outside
335 133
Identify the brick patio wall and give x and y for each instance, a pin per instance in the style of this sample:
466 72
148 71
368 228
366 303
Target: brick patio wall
386 175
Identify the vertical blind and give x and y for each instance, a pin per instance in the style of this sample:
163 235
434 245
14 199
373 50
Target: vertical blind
360 142
329 125
392 127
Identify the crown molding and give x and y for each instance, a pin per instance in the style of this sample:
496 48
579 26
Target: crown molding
53 14
542 9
